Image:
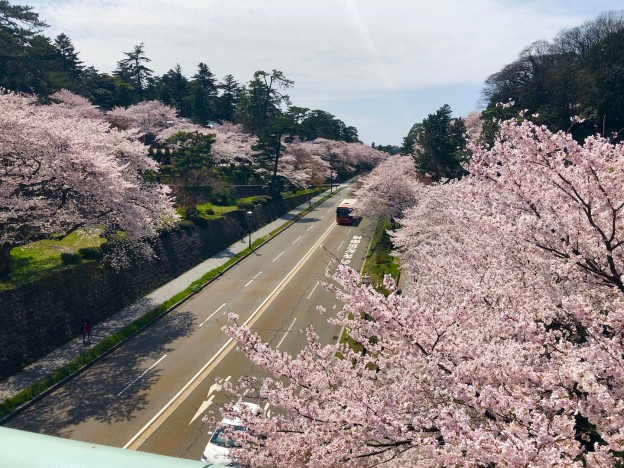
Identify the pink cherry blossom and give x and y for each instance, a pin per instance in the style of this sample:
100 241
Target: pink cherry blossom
61 171
508 347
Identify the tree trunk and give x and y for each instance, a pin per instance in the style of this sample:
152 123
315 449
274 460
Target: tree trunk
5 251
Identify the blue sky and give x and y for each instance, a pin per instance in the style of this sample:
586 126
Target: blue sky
380 65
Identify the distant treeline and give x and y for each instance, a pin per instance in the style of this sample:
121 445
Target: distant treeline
33 63
573 84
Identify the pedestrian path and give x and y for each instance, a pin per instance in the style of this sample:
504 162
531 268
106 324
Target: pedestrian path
63 355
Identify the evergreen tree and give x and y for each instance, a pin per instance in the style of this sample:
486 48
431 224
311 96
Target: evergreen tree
133 70
262 100
441 144
229 98
18 26
177 85
270 148
203 94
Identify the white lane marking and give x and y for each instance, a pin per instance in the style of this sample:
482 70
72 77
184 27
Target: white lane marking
330 210
297 239
286 334
141 376
361 270
213 314
209 398
230 343
309 228
249 282
340 245
311 292
279 256
349 231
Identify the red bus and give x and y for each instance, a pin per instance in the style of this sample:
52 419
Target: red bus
343 212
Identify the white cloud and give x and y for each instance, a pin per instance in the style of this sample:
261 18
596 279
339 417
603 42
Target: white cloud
333 49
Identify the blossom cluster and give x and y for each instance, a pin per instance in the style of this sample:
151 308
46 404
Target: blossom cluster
508 348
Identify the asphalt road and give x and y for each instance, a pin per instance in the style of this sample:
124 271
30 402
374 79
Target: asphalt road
151 393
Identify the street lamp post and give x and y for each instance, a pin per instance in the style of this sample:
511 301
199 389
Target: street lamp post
249 213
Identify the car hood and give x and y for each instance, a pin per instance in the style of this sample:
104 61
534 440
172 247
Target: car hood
216 454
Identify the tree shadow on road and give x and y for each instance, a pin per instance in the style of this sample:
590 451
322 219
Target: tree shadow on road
114 389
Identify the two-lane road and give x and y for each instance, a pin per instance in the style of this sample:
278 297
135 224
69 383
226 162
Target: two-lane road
150 393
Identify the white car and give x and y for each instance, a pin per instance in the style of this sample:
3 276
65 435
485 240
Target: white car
217 450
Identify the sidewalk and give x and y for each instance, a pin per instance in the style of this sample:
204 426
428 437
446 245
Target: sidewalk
58 358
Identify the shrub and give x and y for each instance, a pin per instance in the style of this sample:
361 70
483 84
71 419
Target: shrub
210 211
199 221
186 224
221 196
261 200
91 253
245 205
70 258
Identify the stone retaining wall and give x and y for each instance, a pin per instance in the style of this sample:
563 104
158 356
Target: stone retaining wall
38 317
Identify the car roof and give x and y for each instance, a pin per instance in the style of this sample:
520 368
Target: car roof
253 407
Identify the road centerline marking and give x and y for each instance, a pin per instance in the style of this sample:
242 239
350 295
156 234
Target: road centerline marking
142 375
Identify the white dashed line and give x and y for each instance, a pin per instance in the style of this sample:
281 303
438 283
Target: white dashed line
249 282
213 314
141 376
310 295
297 239
287 331
279 256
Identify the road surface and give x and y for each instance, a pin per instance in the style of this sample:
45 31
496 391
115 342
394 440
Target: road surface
151 393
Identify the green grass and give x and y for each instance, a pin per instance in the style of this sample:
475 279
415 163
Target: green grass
219 210
37 259
379 260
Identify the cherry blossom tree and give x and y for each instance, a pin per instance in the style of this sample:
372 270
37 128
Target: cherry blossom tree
60 172
510 348
70 104
146 117
302 164
232 144
389 189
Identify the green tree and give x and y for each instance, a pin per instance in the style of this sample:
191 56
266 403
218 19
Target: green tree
408 147
262 100
191 153
270 147
203 94
70 63
106 91
442 145
229 98
133 69
18 26
177 86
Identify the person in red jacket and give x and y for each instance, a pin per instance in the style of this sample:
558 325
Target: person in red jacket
86 329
